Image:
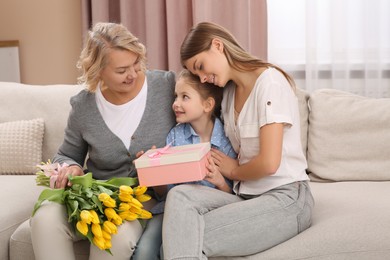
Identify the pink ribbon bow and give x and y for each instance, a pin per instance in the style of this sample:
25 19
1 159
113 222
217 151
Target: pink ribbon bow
161 151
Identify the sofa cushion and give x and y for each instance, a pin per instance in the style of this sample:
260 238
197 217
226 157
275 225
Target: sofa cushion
21 146
349 137
350 222
51 102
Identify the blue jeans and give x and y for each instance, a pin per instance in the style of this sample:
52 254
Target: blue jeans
148 246
201 222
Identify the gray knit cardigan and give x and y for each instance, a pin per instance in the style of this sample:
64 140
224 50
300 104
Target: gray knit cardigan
87 134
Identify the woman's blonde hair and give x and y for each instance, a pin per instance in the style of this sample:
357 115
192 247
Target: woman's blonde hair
100 40
205 90
200 37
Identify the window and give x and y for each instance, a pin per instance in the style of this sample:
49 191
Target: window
343 44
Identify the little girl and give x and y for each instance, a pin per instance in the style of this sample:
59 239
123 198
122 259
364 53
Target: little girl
197 108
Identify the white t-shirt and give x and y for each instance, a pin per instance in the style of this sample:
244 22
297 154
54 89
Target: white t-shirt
123 119
272 100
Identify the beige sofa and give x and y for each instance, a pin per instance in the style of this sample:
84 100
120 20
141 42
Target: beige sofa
346 137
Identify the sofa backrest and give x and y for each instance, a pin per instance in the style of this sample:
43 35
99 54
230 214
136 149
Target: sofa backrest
51 102
344 136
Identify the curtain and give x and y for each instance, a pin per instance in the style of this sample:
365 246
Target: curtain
338 44
348 46
162 24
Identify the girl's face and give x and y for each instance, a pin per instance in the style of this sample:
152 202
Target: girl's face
121 72
188 106
210 65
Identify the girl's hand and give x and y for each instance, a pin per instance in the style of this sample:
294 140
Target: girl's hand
224 163
215 177
63 173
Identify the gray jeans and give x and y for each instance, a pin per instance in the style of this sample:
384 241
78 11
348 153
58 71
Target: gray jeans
201 222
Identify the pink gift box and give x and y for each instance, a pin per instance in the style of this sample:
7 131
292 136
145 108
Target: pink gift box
173 164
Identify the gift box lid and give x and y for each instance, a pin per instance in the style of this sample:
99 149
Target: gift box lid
172 155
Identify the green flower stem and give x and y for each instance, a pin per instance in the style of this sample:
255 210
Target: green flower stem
105 184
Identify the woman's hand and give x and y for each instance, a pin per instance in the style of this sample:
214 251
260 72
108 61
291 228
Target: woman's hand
215 177
140 153
224 163
63 173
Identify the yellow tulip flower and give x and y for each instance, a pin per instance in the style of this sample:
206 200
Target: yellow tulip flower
82 227
125 197
103 196
95 217
145 214
123 215
124 206
97 230
140 190
125 189
106 235
110 203
110 213
135 210
107 244
99 242
143 197
117 221
86 216
136 203
127 215
110 227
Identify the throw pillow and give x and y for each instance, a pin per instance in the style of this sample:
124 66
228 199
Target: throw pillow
21 146
349 137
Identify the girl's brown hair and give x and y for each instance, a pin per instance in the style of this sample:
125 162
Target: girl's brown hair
100 40
200 37
205 90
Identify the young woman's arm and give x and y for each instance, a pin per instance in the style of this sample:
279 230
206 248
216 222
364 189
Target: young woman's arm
267 161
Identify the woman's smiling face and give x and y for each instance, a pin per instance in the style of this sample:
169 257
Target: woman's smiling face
121 71
210 66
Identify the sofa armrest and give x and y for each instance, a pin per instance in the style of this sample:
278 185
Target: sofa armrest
18 195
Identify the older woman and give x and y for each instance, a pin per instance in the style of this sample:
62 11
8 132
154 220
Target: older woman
122 111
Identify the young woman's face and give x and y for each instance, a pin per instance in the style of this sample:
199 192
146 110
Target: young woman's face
121 72
210 65
188 105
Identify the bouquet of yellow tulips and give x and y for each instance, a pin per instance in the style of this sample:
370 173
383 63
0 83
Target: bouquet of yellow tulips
95 207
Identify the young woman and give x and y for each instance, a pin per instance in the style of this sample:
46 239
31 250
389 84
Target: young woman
272 200
122 111
197 107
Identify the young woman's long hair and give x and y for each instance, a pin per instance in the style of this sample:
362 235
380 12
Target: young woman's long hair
200 37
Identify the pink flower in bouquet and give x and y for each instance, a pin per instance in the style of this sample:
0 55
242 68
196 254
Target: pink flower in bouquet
50 170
